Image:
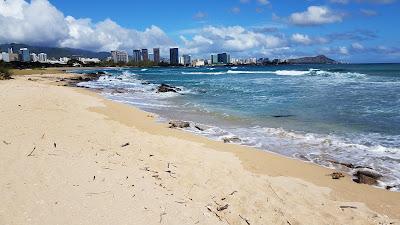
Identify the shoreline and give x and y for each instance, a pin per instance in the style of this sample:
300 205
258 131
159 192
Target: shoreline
257 164
252 158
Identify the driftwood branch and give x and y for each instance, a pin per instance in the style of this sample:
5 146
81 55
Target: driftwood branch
245 220
124 145
31 153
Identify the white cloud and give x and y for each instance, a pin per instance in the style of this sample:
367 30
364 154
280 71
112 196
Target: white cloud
235 10
200 15
343 50
364 1
368 12
357 46
39 22
301 38
230 39
340 1
263 2
315 15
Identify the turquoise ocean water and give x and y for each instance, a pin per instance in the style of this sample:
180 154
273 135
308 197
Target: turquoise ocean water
317 113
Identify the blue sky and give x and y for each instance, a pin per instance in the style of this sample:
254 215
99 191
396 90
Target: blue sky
346 30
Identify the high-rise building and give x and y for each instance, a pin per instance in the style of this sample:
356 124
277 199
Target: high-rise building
145 54
24 55
214 59
181 60
156 52
174 56
34 57
137 55
186 60
12 56
119 56
5 57
42 57
224 58
151 57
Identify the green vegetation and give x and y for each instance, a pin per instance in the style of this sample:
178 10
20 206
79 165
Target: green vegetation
5 73
17 72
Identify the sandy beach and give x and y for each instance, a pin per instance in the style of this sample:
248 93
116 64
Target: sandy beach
70 156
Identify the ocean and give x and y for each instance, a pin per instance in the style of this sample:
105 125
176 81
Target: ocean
317 113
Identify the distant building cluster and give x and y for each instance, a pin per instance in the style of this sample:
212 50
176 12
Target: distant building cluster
24 55
138 56
143 55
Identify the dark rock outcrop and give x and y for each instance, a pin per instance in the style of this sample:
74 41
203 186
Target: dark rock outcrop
179 124
231 139
167 88
366 176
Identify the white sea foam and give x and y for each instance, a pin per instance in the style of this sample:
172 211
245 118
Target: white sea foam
291 72
203 73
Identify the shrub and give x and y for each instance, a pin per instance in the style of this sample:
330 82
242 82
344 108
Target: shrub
5 73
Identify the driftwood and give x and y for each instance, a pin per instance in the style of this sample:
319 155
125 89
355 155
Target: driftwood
31 153
124 145
347 207
222 208
161 215
7 143
245 220
216 214
349 165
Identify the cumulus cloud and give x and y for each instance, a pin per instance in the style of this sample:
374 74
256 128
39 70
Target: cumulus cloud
39 22
200 15
301 38
315 15
235 10
368 12
263 2
364 1
230 39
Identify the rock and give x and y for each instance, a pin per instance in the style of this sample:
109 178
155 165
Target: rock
101 73
366 176
336 175
199 128
166 88
118 91
179 124
282 116
231 139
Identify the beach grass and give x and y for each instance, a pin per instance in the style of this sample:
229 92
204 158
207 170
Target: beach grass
37 71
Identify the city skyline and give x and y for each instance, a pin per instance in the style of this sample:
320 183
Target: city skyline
346 30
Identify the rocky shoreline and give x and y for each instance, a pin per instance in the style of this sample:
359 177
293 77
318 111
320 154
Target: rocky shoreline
360 174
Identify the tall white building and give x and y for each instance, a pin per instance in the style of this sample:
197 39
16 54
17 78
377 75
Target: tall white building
5 57
181 60
42 57
34 57
119 56
89 60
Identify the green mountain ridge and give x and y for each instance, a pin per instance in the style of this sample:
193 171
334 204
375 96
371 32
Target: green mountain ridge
56 52
320 59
